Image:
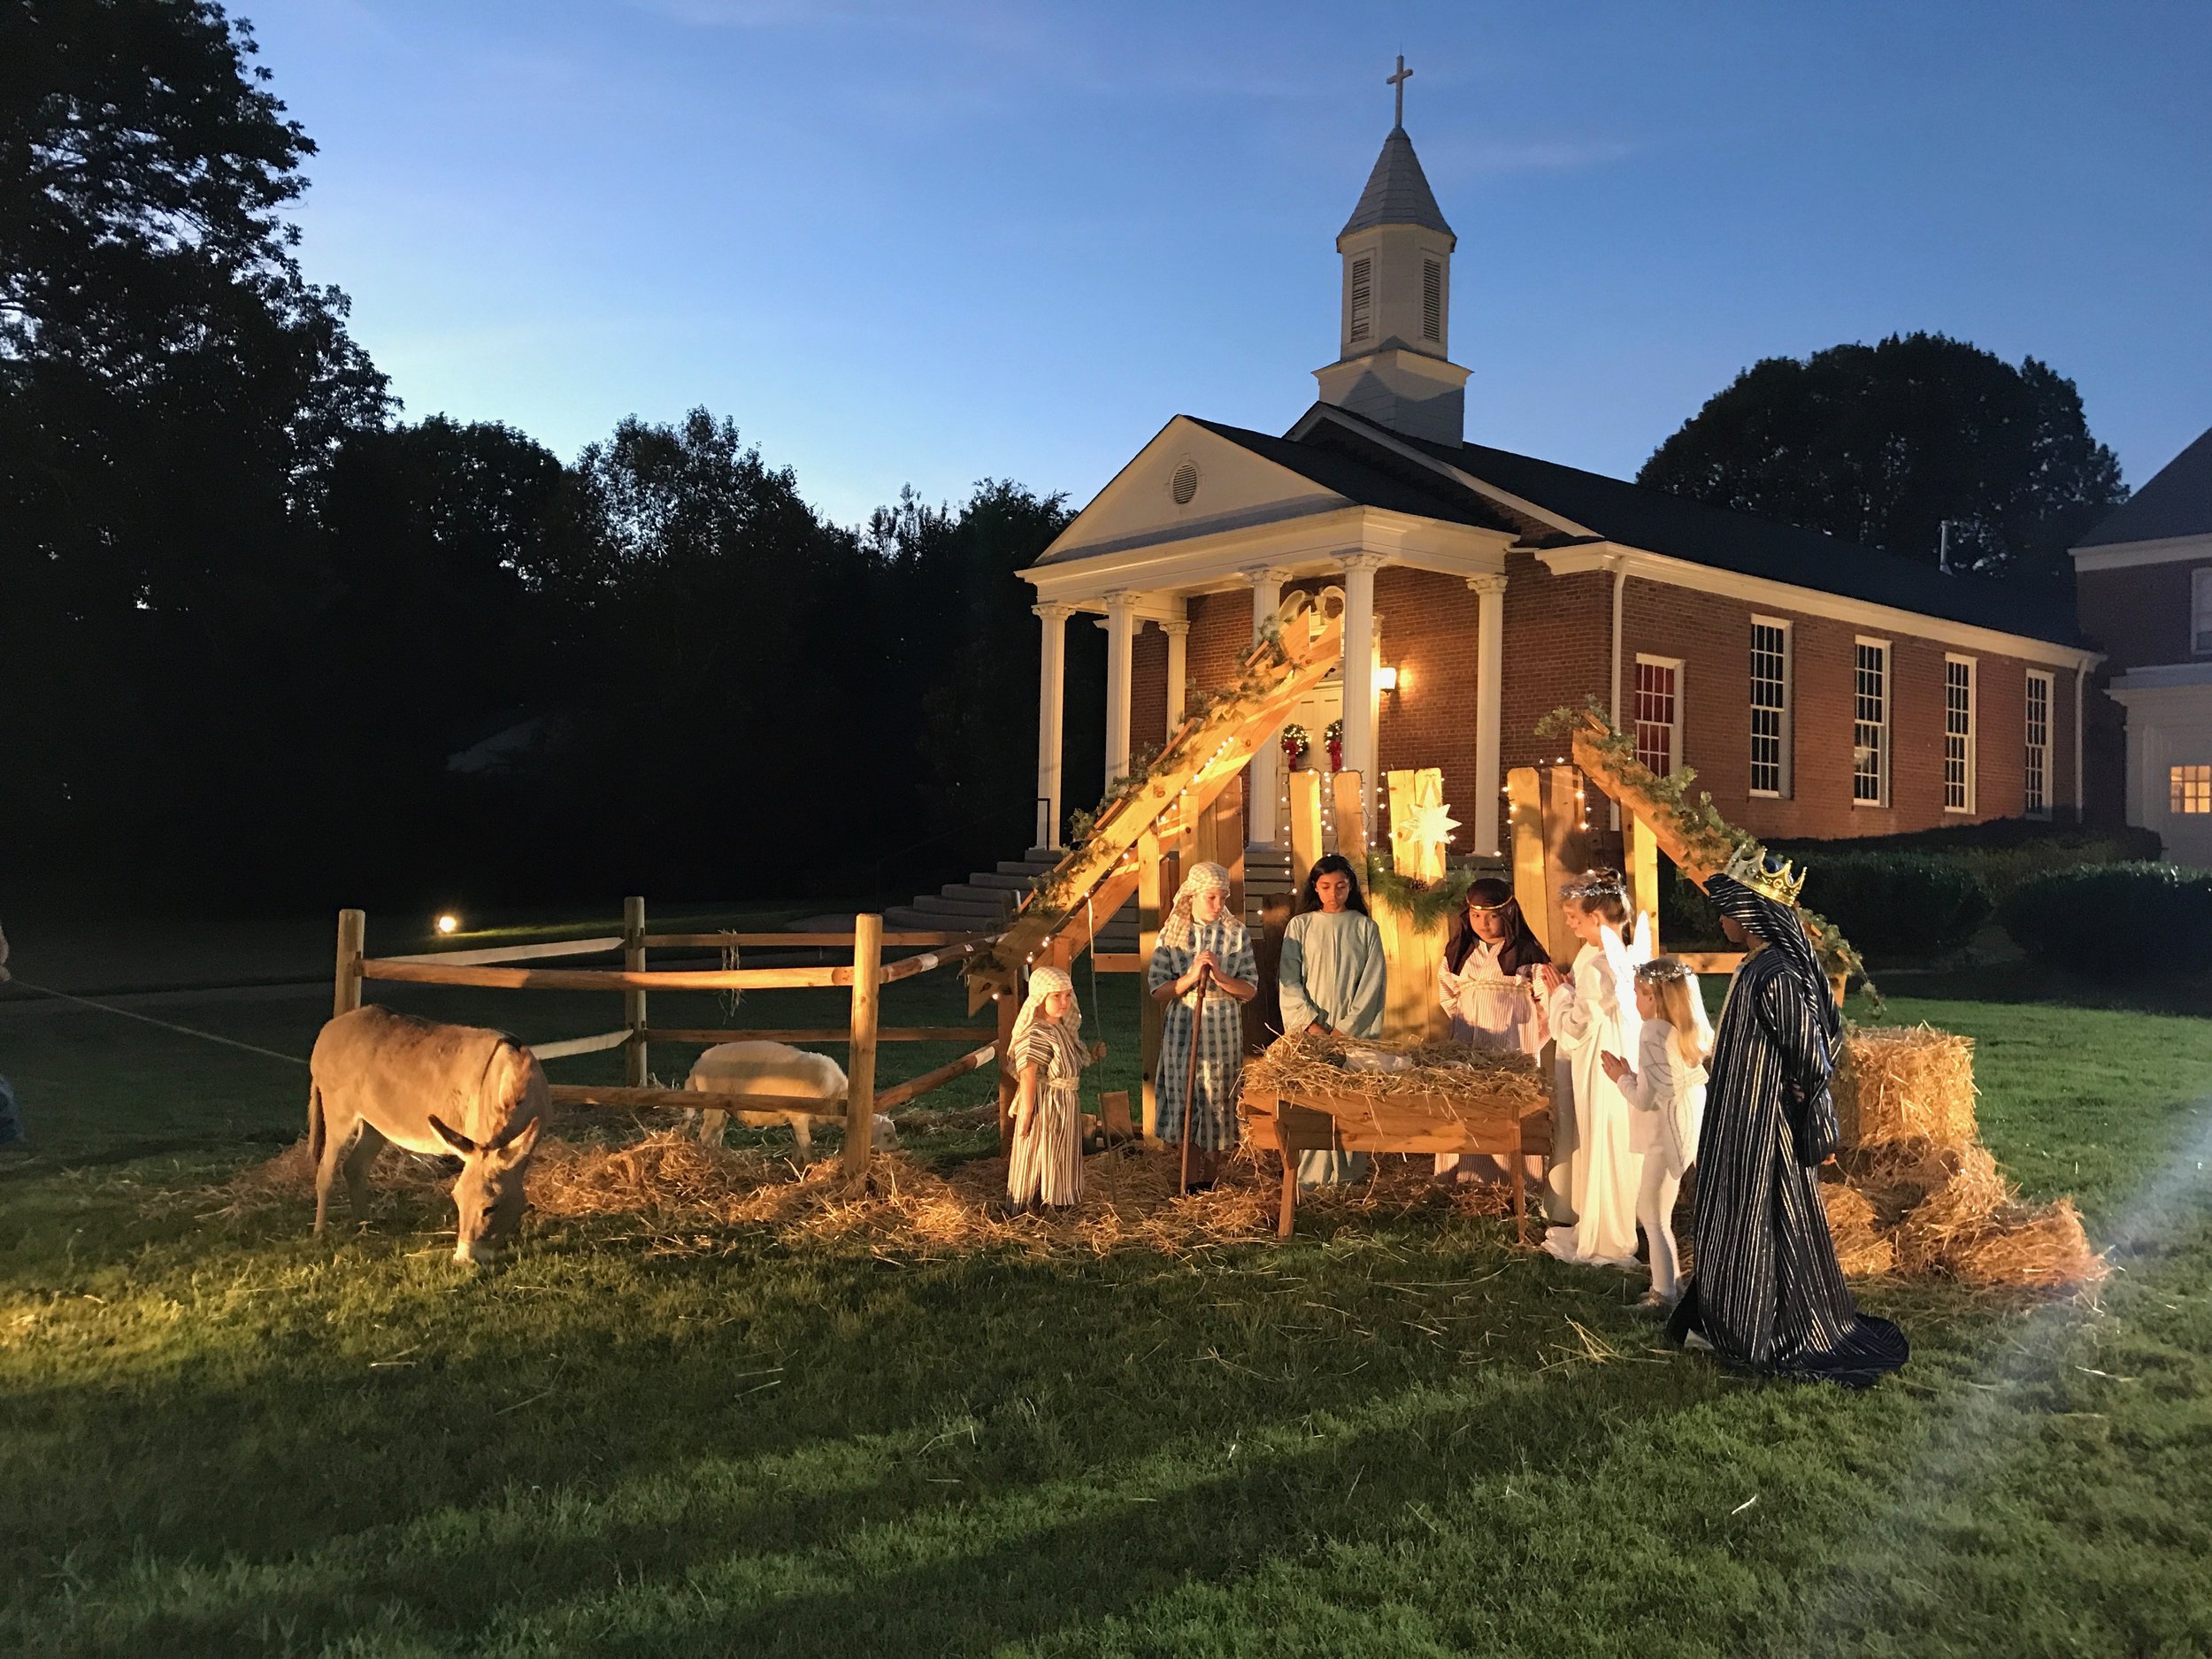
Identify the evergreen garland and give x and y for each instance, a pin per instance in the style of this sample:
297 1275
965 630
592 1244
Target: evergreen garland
1426 902
1709 838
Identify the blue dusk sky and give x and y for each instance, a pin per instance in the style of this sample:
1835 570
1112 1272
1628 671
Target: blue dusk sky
935 243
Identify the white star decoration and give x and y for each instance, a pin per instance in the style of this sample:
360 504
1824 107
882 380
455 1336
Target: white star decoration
1432 825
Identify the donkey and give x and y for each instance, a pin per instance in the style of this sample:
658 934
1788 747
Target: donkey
376 1075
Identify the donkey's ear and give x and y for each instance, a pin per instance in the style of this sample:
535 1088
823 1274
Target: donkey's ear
453 1137
517 1143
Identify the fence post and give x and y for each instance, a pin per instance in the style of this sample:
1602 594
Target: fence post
345 991
860 1064
634 1069
352 933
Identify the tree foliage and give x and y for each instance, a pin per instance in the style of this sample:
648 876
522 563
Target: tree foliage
1882 444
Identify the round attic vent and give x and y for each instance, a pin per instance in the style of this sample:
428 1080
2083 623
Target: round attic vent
1184 484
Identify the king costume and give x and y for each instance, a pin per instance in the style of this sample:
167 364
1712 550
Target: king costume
1765 1290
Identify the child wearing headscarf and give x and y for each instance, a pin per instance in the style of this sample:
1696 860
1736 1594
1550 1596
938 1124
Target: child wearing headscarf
1199 938
1048 1056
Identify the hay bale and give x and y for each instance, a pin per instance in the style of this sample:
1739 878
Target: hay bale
1862 1248
1958 1210
1905 1083
2041 1248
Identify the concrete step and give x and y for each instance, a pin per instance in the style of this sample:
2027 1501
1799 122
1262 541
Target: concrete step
1033 866
985 898
1016 882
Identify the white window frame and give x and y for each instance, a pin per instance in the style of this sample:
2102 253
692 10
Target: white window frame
1786 712
2179 790
1674 726
2200 612
2036 773
1884 728
1966 740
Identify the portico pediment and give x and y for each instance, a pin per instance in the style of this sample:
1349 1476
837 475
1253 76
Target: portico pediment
1188 483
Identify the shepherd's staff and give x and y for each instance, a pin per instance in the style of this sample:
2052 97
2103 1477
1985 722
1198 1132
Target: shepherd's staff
1190 1082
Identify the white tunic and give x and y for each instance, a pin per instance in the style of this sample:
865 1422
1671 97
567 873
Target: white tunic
1668 1098
1490 1010
1592 1015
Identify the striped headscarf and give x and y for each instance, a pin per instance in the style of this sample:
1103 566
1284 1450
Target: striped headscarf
1777 925
1177 930
1042 983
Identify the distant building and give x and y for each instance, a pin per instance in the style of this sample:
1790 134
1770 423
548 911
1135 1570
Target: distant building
1819 688
2144 579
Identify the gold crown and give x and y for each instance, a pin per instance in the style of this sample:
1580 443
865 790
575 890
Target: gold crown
1768 876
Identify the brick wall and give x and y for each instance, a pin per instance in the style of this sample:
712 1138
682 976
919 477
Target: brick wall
1148 690
1711 637
1558 636
2138 615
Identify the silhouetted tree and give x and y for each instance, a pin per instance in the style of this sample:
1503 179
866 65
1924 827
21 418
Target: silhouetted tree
1881 444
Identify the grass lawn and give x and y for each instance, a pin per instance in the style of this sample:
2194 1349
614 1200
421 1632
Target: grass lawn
1391 1438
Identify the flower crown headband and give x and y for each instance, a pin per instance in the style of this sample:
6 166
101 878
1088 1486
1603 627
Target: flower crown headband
1662 971
1595 884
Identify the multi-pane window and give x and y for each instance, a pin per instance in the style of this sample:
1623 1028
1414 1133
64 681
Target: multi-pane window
2189 789
2200 611
1769 708
1363 296
1958 734
2038 793
1659 713
1870 723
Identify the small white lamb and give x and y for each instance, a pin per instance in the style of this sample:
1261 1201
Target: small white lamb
774 1068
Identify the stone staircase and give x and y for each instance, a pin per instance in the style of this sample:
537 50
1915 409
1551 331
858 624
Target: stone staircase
984 902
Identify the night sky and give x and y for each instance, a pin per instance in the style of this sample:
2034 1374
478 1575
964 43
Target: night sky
930 243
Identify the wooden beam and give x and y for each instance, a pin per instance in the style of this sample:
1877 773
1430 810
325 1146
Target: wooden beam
716 942
827 1034
1639 850
691 1100
517 952
907 967
602 979
1156 869
582 1045
1351 818
1525 799
1562 841
1305 825
901 1093
860 1061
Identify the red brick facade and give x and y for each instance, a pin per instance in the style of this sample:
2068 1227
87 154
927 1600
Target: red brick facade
1558 634
2139 615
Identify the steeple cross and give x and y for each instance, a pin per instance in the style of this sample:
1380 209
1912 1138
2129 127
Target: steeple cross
1397 83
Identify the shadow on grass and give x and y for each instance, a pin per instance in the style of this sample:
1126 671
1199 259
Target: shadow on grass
832 1450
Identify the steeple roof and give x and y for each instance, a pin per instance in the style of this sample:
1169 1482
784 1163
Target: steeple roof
1397 191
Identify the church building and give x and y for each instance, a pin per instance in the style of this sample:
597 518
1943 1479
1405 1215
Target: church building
1819 688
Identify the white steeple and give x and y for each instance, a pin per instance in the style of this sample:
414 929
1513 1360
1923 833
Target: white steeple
1393 327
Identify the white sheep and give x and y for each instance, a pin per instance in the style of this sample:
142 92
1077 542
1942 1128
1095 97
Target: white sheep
774 1068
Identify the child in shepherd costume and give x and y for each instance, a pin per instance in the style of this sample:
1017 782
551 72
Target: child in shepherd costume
1048 1052
1667 1089
1199 938
1486 984
1591 1015
1766 1293
1332 978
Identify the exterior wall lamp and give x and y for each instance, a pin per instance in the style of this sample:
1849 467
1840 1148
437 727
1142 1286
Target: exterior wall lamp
1387 682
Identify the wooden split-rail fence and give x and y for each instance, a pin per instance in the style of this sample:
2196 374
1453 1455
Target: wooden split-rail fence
513 968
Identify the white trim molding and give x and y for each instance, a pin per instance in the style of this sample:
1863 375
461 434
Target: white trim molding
1811 602
2123 555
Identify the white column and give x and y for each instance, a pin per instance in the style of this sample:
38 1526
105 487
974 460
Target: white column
1121 634
1052 705
1261 777
1359 678
1178 634
1489 593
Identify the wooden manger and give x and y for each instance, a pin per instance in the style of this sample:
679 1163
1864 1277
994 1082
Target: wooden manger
635 980
1300 1096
